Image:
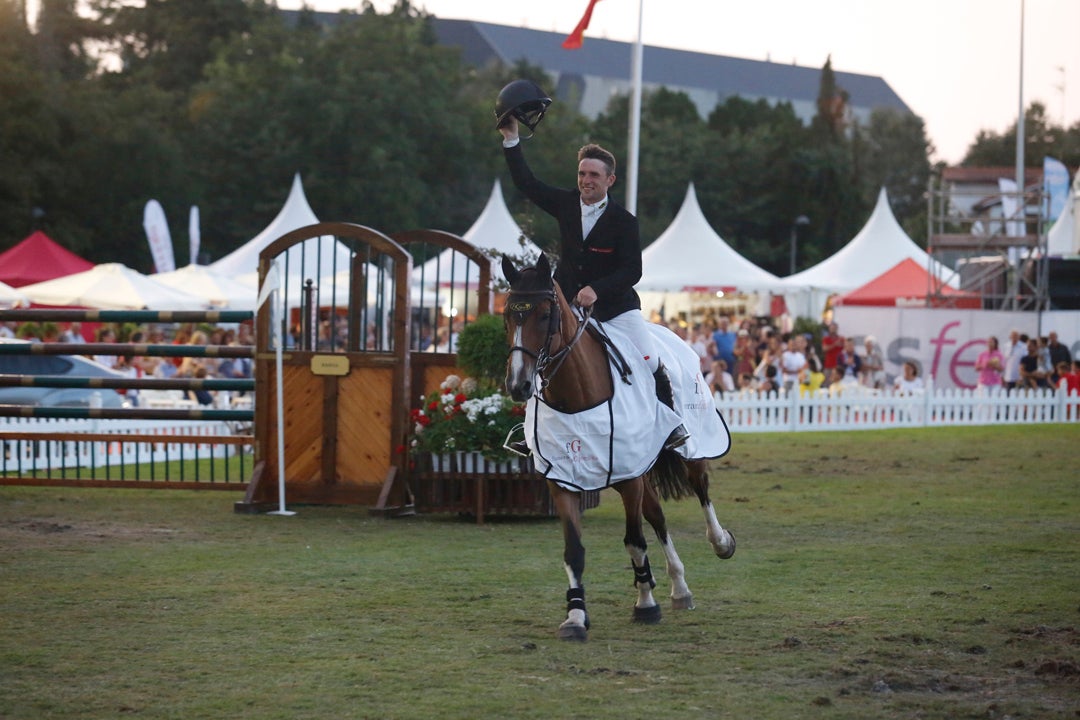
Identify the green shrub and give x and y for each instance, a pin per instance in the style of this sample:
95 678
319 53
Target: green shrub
482 349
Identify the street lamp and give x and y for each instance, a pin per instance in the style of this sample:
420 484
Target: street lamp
801 220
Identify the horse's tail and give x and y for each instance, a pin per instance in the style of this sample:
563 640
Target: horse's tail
669 476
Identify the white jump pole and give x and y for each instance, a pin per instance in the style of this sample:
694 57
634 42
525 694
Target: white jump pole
274 287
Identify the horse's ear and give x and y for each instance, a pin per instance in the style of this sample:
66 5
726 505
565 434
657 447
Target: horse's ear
543 266
509 271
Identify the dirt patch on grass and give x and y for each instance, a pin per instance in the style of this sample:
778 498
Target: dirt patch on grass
37 533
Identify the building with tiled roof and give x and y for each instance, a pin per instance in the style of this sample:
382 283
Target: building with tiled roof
600 69
590 76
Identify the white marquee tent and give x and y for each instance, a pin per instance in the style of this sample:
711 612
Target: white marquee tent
309 260
217 290
877 247
10 297
111 286
1064 236
689 256
494 231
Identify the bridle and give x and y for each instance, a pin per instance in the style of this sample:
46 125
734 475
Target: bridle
523 303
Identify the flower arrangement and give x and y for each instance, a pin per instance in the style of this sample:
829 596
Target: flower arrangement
462 417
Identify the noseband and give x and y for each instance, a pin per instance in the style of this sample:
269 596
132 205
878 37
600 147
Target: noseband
520 305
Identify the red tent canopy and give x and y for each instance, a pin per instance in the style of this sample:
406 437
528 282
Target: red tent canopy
38 258
908 284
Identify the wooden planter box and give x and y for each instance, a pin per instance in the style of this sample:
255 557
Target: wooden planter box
469 483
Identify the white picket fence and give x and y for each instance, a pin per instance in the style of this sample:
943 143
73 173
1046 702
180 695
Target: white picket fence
24 456
862 409
851 409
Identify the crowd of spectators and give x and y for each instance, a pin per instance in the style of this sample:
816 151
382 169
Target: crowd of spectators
751 356
154 366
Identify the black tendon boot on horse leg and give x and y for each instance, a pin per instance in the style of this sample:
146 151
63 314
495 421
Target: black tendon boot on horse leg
666 395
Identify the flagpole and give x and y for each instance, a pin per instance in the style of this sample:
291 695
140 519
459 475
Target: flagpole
635 118
1020 122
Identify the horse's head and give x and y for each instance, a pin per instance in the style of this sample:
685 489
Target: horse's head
532 318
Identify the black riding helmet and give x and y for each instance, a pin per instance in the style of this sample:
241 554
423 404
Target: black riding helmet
524 100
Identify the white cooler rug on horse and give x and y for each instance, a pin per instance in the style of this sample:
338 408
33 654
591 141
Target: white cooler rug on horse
616 440
709 435
620 439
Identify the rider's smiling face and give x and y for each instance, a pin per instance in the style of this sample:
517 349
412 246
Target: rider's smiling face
593 180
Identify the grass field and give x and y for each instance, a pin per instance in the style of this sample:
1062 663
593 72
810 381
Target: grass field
931 573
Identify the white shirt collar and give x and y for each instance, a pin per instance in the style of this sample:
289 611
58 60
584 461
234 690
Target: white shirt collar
595 209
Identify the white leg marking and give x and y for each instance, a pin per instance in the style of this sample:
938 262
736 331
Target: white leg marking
720 538
675 570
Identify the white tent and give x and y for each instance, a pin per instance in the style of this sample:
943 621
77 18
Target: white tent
690 256
10 297
309 260
217 290
111 286
494 231
878 246
1064 236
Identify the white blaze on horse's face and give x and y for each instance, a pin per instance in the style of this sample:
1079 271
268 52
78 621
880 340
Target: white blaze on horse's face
517 371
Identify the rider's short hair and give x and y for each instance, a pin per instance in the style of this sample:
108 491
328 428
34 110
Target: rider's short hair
592 151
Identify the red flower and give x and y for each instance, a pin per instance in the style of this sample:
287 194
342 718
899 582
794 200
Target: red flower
433 405
460 398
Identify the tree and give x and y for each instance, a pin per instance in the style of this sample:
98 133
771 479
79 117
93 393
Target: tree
1041 138
894 153
832 106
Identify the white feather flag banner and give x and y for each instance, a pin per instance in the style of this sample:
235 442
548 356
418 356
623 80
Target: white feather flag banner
157 234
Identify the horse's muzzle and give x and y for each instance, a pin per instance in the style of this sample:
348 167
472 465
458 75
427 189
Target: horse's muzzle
522 391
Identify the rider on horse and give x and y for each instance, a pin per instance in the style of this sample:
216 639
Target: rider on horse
599 252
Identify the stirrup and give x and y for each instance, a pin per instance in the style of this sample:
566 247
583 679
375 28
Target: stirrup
518 447
678 437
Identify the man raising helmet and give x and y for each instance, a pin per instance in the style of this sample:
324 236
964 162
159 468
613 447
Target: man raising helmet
599 249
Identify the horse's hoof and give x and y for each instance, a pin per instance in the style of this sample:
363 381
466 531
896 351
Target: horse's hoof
682 603
727 549
647 615
572 632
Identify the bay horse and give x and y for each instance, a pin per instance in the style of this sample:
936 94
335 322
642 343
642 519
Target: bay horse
553 355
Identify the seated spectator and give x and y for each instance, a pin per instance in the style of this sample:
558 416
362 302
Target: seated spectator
812 378
1058 352
909 383
745 383
849 363
873 364
719 379
106 335
203 397
1031 374
770 383
1069 377
72 334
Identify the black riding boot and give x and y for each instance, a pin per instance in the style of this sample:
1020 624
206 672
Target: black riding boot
666 395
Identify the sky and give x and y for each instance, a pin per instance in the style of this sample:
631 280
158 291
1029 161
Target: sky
956 63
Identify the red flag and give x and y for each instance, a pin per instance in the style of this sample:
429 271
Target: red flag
573 40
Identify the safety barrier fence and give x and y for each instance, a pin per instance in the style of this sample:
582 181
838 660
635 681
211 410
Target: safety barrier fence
860 409
179 446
